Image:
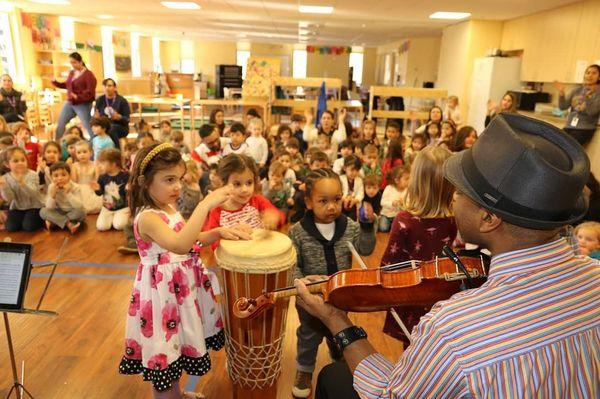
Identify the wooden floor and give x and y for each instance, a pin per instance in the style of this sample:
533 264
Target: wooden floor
76 355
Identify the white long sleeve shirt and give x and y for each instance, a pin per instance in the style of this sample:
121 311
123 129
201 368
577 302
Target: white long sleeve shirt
65 201
310 133
258 149
357 192
389 196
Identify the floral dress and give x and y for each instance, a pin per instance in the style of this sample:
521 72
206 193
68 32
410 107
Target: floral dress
173 316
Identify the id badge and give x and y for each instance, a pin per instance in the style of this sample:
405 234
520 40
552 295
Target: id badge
574 121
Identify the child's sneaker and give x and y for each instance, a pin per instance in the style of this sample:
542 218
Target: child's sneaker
302 385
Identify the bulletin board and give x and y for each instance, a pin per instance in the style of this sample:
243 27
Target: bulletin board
259 72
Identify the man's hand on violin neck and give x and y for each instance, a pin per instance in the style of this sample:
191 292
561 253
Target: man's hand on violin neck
335 319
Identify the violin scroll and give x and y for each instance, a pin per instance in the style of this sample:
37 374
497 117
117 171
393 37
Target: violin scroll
248 308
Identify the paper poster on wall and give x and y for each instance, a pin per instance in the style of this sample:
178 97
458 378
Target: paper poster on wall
259 72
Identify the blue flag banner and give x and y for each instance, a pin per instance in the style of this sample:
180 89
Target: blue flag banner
321 103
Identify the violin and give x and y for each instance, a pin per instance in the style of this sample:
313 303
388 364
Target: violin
420 283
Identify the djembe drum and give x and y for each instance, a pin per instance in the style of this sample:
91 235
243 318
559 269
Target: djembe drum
254 347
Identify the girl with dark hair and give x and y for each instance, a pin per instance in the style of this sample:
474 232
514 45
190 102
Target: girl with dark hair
217 118
465 138
171 280
584 104
81 88
116 108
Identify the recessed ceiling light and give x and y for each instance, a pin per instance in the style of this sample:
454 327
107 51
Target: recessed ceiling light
181 5
315 9
449 15
5 6
53 2
105 16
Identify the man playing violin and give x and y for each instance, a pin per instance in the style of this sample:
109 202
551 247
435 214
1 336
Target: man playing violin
533 329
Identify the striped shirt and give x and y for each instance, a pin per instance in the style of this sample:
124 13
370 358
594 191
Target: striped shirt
532 330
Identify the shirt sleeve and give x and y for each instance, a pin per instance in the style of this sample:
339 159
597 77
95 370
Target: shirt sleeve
298 269
339 135
309 133
212 222
262 204
359 190
387 198
429 368
125 111
264 146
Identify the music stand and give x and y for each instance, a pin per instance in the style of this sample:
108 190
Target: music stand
15 267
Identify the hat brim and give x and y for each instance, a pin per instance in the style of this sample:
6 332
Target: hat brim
453 172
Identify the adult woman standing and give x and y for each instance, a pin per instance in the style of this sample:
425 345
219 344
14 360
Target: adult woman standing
12 107
81 89
508 104
116 108
584 102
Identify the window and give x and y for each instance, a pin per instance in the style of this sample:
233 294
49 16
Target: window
299 59
108 52
242 60
156 66
7 54
187 57
67 33
356 62
136 61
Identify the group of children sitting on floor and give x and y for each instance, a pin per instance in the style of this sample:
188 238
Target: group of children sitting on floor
59 183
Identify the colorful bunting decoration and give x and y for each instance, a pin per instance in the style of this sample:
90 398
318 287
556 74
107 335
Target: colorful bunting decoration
335 50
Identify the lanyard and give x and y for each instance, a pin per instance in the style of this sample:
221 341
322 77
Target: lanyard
112 103
12 101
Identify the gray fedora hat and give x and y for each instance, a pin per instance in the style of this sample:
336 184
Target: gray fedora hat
528 172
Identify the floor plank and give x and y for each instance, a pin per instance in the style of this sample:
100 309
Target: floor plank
77 353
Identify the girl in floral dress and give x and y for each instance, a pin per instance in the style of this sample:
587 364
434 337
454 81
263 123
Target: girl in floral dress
173 317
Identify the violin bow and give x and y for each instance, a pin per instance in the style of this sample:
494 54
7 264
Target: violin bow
395 315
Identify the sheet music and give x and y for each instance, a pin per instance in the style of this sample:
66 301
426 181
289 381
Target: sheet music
11 271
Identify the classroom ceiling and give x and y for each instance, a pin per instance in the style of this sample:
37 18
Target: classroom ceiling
353 22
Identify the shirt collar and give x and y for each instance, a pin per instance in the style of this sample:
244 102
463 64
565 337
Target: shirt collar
532 259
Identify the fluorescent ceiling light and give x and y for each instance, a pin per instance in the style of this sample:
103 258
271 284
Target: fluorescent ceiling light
315 9
449 15
105 16
303 32
53 2
181 5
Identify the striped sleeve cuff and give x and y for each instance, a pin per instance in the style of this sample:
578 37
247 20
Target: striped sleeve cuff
371 377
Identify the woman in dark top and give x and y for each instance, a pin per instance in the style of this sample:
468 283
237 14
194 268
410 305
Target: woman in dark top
81 90
217 118
116 108
12 107
584 104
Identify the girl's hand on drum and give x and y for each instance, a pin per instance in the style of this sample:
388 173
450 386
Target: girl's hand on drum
238 232
271 219
218 196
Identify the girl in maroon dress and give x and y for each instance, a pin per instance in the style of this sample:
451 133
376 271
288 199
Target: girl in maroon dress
423 228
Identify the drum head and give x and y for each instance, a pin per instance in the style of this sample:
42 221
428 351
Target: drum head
268 251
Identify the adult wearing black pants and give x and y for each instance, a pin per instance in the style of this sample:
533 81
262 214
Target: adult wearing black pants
116 108
584 104
12 106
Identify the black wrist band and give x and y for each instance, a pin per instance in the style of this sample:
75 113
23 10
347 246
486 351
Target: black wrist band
348 336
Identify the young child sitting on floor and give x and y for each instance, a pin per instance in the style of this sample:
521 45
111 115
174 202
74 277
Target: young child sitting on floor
64 205
112 187
190 190
346 148
371 161
23 139
275 189
237 145
371 206
588 238
393 195
352 186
